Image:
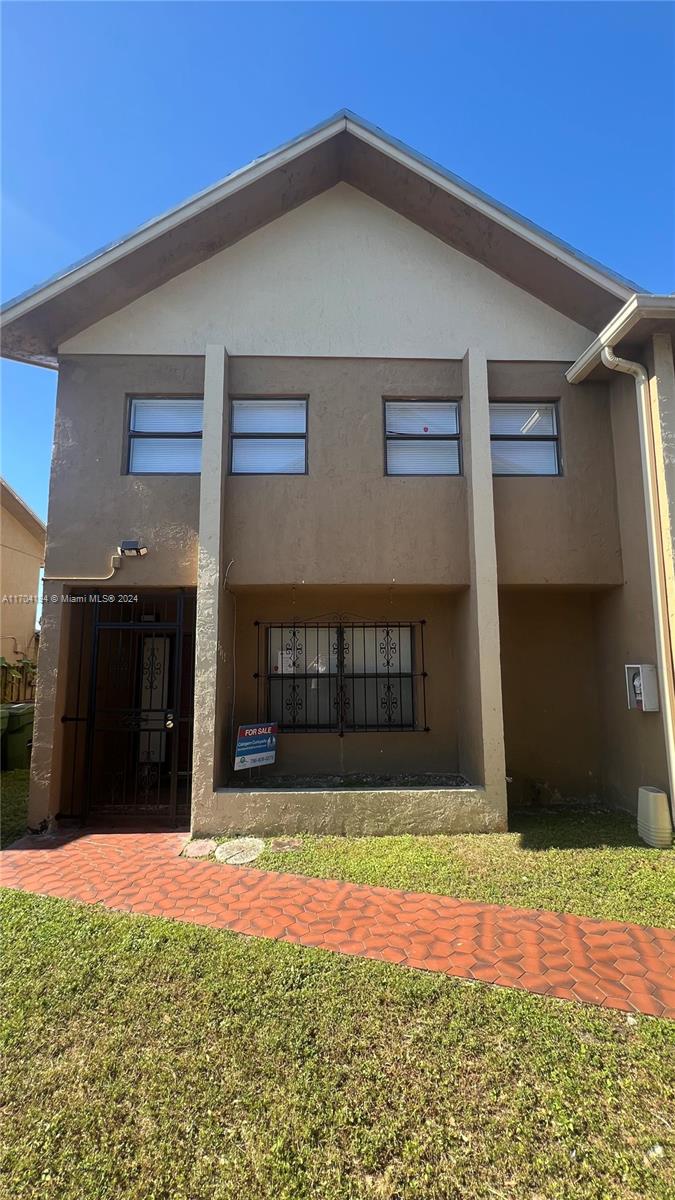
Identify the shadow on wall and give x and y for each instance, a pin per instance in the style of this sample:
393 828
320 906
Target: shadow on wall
573 826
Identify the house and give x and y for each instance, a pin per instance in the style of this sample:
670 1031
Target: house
22 540
345 445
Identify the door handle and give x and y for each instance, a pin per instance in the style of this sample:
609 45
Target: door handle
168 724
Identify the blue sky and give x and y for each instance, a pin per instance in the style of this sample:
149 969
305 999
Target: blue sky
113 113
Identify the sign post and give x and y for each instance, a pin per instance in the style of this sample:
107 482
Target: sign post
256 746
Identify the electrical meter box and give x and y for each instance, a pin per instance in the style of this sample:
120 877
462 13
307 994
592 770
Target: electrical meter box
642 687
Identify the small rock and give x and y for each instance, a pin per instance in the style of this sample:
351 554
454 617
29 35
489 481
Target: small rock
656 1151
200 848
281 845
240 850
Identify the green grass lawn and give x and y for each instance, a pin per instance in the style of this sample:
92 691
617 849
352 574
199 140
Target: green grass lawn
584 861
148 1060
14 802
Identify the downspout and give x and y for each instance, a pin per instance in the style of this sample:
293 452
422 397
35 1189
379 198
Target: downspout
664 649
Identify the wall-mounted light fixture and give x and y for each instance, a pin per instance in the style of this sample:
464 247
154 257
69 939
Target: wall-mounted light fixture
132 548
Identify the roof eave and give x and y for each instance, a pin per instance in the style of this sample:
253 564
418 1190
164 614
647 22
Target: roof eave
43 351
640 307
107 255
448 181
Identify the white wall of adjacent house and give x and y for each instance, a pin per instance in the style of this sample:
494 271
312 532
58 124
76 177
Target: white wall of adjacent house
340 276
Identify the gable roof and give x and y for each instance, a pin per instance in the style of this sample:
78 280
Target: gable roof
345 147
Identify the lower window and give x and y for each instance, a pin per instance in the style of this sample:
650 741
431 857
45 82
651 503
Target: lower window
344 677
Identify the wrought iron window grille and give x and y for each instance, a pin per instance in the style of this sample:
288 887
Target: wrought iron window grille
342 676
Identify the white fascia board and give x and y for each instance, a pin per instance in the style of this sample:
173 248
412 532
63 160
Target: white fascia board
111 254
639 307
482 203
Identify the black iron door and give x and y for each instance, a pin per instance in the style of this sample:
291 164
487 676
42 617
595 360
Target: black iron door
140 707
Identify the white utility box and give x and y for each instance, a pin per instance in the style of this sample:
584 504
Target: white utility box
655 826
642 687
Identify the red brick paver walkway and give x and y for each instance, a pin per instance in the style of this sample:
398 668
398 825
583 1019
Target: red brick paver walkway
610 963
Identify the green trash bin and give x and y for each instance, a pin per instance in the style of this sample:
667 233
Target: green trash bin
18 736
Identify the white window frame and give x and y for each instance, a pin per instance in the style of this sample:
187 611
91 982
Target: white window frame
530 402
423 401
134 435
274 436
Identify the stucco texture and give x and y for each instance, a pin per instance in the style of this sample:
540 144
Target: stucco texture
20 561
345 522
93 502
552 690
333 267
377 753
564 529
351 812
633 747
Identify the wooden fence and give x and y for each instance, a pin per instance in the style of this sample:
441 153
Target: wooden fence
17 683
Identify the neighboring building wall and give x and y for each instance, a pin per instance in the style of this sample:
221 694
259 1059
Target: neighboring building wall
633 751
21 556
559 529
551 689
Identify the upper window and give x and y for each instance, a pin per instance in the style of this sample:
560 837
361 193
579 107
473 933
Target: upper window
165 435
422 437
269 437
524 438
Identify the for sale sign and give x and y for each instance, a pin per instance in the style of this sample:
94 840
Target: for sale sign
256 746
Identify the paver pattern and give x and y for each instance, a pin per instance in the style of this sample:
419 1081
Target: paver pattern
608 963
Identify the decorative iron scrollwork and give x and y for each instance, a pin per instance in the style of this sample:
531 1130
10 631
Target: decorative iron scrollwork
389 702
133 720
152 669
388 649
148 780
294 651
294 703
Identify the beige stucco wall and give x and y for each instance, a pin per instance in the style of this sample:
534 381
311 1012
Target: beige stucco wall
481 727
378 753
21 556
341 275
633 751
346 525
346 522
560 529
93 503
348 812
551 688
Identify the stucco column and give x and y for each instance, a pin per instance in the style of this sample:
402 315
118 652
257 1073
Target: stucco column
45 763
213 613
481 732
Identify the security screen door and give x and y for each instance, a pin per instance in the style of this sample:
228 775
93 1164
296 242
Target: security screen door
140 707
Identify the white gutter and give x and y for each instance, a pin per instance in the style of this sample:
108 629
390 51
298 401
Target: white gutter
641 306
664 649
